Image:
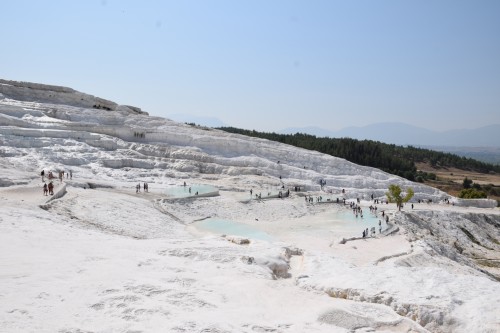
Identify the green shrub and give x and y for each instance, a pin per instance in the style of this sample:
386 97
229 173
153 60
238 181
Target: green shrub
471 193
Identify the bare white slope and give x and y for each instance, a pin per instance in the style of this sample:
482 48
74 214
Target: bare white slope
105 259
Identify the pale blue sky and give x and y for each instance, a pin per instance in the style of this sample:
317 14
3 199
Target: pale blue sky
267 65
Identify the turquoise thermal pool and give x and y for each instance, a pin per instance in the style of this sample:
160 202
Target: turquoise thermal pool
188 191
221 226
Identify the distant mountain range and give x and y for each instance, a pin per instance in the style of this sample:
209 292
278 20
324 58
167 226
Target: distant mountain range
485 154
404 134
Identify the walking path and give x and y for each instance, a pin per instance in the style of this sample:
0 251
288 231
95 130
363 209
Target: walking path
31 193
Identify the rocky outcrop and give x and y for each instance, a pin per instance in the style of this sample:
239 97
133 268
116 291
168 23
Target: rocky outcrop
468 239
481 203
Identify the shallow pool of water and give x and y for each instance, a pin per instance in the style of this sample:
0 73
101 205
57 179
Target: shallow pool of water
345 222
227 227
368 219
188 191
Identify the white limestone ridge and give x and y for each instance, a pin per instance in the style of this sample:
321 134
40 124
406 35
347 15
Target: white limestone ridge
92 132
42 93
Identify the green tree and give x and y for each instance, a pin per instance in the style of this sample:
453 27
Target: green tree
467 183
395 195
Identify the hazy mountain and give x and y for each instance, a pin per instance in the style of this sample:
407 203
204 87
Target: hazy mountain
313 130
485 154
404 134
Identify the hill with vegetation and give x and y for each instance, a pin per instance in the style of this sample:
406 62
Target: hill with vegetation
398 160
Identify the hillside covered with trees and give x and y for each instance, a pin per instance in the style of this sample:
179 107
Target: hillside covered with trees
390 158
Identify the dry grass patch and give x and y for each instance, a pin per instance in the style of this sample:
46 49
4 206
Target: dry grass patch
450 180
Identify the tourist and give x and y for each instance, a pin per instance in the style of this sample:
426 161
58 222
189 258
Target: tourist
45 189
51 188
43 175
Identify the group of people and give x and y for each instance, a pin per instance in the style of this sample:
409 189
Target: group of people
48 189
138 187
281 194
61 173
372 230
356 209
310 199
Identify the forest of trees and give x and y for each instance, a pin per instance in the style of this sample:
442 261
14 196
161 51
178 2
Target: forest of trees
397 160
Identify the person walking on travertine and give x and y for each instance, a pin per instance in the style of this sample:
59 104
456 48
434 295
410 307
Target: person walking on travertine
45 189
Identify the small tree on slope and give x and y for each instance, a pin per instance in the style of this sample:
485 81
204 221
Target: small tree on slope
394 195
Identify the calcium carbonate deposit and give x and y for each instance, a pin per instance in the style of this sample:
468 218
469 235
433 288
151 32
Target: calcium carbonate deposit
104 255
